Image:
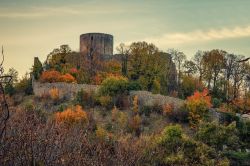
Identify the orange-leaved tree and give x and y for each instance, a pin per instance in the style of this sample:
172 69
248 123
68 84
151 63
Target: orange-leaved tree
198 105
70 116
67 78
55 76
50 76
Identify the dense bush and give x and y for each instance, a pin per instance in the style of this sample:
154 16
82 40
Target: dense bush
179 115
216 102
173 147
238 158
228 117
55 76
71 116
85 99
106 101
25 85
217 136
197 106
134 85
113 86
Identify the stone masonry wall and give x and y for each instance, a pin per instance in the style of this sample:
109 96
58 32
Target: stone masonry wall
66 90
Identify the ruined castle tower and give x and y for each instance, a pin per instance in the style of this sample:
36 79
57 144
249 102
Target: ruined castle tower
98 44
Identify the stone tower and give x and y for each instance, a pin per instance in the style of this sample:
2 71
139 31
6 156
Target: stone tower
97 44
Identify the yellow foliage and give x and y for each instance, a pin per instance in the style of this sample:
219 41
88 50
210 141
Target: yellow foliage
123 119
102 134
135 105
136 122
115 113
71 116
54 94
105 101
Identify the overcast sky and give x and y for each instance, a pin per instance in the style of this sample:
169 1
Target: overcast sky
30 28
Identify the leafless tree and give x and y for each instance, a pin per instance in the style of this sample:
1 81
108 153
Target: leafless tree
4 112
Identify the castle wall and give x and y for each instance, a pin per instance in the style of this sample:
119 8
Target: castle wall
66 90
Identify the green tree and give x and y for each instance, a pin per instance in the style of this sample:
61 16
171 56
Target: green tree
10 87
145 64
37 68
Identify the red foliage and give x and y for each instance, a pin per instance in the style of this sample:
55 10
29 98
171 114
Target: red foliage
203 96
73 71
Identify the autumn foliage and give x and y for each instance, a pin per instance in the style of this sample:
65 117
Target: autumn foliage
55 76
198 105
167 109
54 94
71 116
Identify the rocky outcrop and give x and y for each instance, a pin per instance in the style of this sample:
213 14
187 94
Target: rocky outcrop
66 90
146 98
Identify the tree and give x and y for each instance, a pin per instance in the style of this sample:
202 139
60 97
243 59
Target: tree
10 86
198 105
199 62
190 67
4 113
189 85
179 59
215 62
25 85
124 51
37 68
145 64
239 73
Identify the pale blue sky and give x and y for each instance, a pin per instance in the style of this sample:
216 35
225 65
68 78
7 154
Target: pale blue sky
31 28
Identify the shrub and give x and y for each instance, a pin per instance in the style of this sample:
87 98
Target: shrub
55 76
238 158
134 85
25 85
180 115
197 106
216 135
146 110
135 124
66 78
102 134
54 94
115 114
9 89
123 120
228 117
113 86
156 87
173 147
244 132
135 105
167 109
106 101
50 76
85 99
216 102
72 116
